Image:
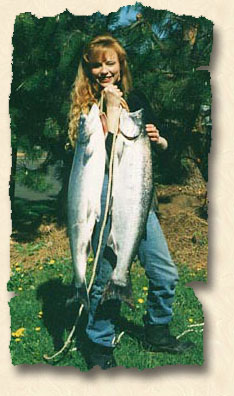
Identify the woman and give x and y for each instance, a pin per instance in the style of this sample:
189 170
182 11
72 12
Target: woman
103 69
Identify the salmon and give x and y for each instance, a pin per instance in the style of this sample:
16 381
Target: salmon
84 195
132 191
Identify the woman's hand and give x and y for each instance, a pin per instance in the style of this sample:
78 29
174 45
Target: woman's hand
112 95
154 136
152 132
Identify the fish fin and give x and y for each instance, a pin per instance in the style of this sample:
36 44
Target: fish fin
98 213
89 247
71 300
120 152
117 292
83 296
110 204
111 243
80 297
87 155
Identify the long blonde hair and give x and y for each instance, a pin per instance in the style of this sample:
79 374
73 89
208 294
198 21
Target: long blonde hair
84 92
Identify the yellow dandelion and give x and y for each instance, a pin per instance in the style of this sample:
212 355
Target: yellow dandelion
16 264
40 313
90 260
17 340
140 300
145 288
190 320
37 328
51 261
18 269
19 332
20 288
41 267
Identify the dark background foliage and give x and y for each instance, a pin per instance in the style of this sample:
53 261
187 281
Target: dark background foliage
164 52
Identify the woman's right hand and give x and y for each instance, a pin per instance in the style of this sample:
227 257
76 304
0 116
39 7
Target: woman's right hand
112 95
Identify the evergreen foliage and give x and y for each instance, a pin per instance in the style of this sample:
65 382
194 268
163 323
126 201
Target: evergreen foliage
164 52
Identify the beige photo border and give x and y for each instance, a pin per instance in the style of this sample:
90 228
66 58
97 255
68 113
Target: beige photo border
215 377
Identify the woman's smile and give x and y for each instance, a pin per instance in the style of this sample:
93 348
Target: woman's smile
105 68
105 79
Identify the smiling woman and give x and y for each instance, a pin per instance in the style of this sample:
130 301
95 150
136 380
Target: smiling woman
105 67
132 226
103 64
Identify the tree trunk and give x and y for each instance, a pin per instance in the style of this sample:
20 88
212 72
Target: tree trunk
194 177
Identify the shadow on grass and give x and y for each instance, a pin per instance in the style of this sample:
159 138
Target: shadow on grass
59 317
133 330
28 216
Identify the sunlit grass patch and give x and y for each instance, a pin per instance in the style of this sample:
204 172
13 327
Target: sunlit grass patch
39 308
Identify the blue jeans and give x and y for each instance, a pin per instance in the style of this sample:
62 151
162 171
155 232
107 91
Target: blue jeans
159 268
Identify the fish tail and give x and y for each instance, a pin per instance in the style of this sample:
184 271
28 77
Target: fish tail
83 296
113 291
80 296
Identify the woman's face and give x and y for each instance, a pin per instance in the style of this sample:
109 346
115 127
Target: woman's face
105 67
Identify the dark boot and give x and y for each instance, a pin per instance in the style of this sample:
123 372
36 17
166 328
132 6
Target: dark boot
158 337
101 356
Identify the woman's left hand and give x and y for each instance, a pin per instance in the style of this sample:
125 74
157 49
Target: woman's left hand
154 136
152 132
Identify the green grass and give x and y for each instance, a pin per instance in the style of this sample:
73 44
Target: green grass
45 289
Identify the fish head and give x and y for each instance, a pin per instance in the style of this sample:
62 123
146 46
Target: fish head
90 124
131 123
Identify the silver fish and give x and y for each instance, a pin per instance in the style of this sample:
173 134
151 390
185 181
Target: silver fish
131 198
84 194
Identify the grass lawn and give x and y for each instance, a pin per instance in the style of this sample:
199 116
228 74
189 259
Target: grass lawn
41 323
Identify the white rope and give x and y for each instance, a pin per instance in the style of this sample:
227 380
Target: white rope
119 337
196 325
110 174
191 330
